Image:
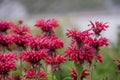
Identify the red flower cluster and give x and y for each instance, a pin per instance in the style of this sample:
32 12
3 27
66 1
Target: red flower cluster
31 74
4 26
55 61
21 30
47 25
6 40
118 65
84 74
7 62
33 57
97 27
22 40
74 75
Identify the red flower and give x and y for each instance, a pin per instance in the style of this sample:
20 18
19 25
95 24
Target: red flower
46 42
99 57
6 40
35 74
21 30
42 75
74 74
7 62
33 57
84 74
4 26
22 40
47 25
97 27
78 35
72 53
96 42
118 65
55 60
34 43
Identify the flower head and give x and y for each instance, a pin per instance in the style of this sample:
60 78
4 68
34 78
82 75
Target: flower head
55 61
35 74
7 62
33 57
47 25
22 40
98 27
21 30
74 74
4 26
84 74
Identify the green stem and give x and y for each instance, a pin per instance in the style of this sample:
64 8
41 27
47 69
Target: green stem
21 67
52 72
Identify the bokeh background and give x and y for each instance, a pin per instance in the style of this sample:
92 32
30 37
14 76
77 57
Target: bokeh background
74 14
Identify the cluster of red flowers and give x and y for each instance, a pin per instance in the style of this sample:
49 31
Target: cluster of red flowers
75 76
31 74
85 46
4 26
33 57
7 62
47 25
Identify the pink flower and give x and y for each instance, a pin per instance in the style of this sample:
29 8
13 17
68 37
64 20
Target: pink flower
97 27
7 62
77 34
33 57
42 75
4 26
99 57
51 42
55 61
35 74
21 30
6 40
47 25
84 74
22 40
74 74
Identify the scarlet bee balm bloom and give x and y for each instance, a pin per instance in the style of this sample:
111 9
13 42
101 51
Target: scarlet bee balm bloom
47 25
4 26
33 56
7 62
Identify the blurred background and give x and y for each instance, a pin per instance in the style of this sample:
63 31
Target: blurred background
74 14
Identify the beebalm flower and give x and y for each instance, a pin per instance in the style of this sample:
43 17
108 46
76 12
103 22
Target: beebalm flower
51 42
7 62
55 61
118 65
33 57
96 42
35 43
73 74
84 74
47 25
21 30
4 26
6 40
22 40
98 27
86 54
77 34
35 74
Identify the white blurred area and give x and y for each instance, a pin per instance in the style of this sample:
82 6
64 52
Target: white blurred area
11 9
15 10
